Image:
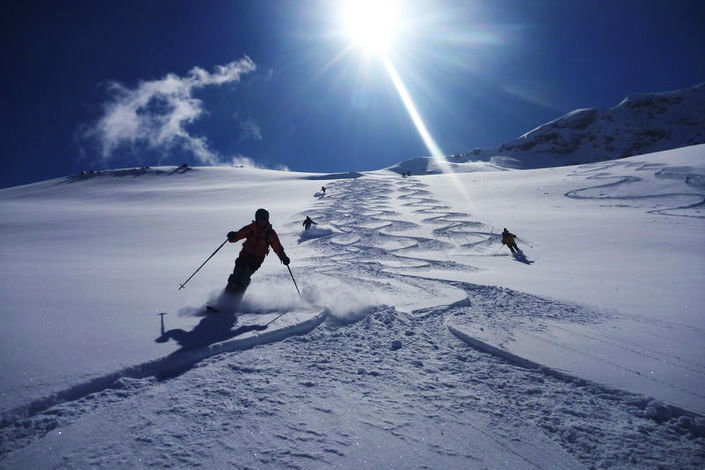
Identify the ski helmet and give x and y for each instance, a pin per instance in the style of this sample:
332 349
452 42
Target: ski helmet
262 214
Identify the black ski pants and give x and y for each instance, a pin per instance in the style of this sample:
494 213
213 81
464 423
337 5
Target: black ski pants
245 267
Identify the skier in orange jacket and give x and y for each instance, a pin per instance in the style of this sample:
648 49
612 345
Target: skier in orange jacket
259 236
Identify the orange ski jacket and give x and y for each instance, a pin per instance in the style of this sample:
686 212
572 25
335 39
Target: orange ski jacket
258 240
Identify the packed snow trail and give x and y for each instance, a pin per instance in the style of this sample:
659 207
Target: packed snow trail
379 386
684 204
421 244
392 240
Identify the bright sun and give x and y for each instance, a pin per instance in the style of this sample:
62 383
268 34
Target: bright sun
371 24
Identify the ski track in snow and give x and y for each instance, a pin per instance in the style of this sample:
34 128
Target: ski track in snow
620 189
389 388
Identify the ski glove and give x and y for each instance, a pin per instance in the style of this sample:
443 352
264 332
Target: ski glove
285 260
231 236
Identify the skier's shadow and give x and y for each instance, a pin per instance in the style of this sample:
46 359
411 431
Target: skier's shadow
521 257
214 328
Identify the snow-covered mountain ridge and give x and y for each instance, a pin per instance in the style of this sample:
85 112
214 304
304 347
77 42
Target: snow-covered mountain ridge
641 123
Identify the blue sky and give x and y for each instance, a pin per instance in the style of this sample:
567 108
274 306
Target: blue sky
479 72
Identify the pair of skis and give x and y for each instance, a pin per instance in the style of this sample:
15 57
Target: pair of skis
212 309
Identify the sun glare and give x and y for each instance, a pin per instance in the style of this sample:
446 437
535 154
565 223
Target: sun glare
370 24
433 148
373 25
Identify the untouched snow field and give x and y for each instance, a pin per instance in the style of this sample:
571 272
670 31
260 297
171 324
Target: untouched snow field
593 334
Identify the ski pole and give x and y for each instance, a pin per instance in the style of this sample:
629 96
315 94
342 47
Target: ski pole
283 313
500 247
162 318
292 278
204 263
275 319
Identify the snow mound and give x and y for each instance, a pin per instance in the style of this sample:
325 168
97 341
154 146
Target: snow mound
430 166
314 232
486 340
334 176
132 172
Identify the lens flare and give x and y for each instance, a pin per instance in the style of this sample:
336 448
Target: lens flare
373 25
433 148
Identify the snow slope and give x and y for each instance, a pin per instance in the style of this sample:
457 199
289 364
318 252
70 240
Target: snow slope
641 123
622 236
384 382
89 262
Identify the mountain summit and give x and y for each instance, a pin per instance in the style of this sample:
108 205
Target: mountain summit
641 123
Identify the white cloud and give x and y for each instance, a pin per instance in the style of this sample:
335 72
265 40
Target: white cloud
155 113
242 161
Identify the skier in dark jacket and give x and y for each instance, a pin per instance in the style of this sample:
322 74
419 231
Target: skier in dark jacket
508 239
308 222
259 236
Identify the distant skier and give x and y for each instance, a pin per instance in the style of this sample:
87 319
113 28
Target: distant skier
323 189
508 239
308 222
259 236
